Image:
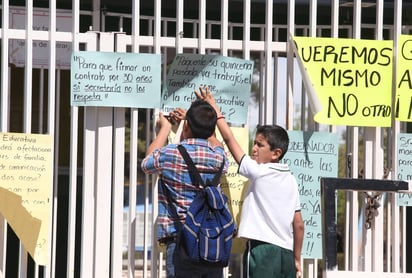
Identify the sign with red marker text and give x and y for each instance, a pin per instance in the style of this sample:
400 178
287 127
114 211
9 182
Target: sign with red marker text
348 81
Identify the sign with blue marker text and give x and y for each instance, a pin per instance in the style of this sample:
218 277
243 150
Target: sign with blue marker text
115 79
311 156
229 79
404 166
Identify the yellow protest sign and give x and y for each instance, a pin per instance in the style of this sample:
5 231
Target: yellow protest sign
403 103
25 186
233 184
348 80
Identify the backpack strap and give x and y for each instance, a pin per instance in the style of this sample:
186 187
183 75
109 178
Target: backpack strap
193 170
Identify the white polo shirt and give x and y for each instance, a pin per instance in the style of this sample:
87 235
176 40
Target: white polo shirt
269 204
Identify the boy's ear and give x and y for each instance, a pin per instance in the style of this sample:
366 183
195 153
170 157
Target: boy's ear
276 153
187 132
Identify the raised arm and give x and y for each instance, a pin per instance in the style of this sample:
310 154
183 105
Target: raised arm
164 128
222 125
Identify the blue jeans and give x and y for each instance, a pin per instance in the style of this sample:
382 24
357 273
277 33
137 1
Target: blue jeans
177 268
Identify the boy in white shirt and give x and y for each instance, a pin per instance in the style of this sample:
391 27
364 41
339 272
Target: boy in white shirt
271 220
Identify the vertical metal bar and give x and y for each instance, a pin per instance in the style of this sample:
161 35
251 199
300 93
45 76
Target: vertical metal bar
118 189
4 115
118 177
102 188
23 258
329 225
88 195
375 134
224 17
132 191
157 50
155 259
391 237
268 96
335 18
51 130
202 27
157 25
41 100
28 80
74 125
56 171
289 76
262 82
135 25
246 29
131 225
28 74
353 149
96 20
5 65
103 181
351 203
397 254
312 33
89 201
179 25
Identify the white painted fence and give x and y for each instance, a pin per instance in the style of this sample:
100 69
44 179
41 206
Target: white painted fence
89 143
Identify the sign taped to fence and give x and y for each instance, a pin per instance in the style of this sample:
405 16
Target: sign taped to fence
229 79
41 49
310 156
233 184
403 102
349 81
404 166
114 79
25 189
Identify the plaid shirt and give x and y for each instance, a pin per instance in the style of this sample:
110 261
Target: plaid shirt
176 190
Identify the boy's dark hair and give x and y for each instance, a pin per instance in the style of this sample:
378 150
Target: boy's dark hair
276 136
201 118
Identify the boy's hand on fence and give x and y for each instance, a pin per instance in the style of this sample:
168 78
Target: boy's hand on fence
163 122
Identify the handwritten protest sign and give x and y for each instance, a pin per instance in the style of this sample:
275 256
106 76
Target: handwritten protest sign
25 186
233 184
115 79
348 81
403 102
404 166
229 79
310 156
